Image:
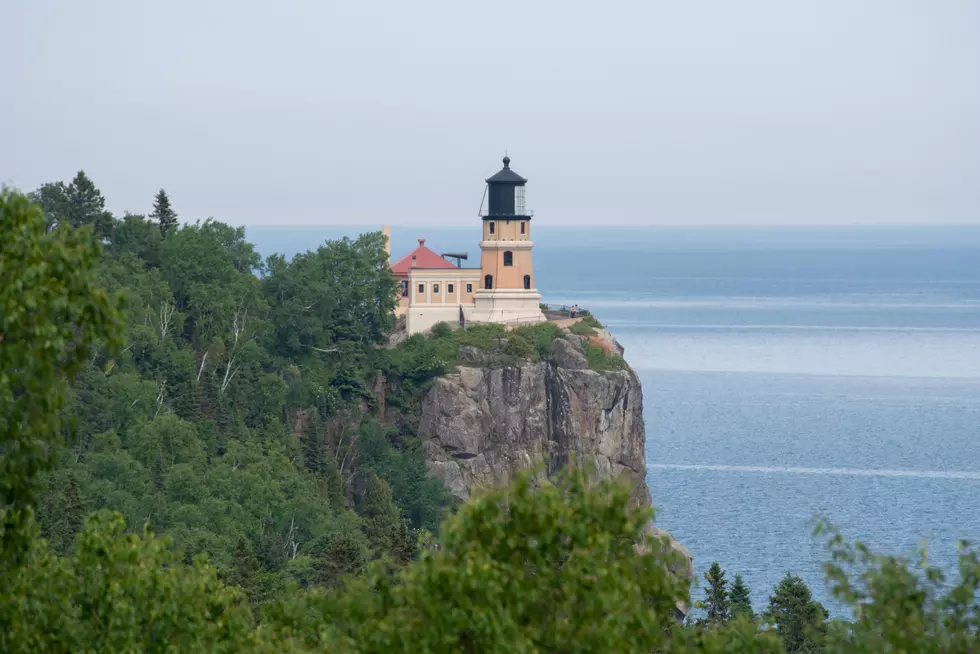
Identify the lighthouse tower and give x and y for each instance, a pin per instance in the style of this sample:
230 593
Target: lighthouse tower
506 291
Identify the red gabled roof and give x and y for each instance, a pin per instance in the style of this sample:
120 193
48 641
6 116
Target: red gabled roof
424 258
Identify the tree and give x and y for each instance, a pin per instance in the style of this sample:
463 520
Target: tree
163 213
740 599
900 605
716 603
76 204
550 568
52 315
800 621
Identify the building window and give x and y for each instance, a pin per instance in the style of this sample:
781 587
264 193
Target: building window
450 289
508 258
435 288
404 288
527 282
469 288
492 227
421 288
488 282
523 228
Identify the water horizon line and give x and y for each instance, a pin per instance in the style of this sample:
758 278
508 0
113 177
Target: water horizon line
800 470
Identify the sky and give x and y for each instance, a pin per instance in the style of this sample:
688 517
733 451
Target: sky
644 112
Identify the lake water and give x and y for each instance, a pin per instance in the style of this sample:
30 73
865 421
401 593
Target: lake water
787 373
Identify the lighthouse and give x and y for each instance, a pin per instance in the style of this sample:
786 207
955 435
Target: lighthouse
506 288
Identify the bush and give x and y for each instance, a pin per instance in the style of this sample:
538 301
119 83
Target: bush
601 360
541 337
441 330
582 328
483 335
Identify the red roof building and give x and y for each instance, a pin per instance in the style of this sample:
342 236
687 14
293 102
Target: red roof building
423 258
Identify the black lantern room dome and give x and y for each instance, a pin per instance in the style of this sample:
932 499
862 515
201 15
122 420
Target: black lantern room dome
505 191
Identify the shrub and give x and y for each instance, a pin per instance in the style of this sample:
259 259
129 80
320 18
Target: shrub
441 330
582 328
483 335
599 359
541 338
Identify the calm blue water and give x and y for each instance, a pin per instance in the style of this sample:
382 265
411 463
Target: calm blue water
787 373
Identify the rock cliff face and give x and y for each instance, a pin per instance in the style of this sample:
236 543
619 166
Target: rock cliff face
483 423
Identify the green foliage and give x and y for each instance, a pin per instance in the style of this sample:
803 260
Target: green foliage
52 318
524 569
441 330
801 622
599 359
483 336
123 593
77 204
193 425
901 606
716 601
540 338
582 328
740 599
165 216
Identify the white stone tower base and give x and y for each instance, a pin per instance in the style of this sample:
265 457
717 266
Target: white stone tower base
517 306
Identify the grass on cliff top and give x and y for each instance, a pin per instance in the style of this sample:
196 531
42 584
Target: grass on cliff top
421 358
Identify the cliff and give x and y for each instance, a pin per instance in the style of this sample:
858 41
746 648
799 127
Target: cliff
484 422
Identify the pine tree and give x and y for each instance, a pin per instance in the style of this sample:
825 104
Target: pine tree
716 596
311 440
163 214
740 598
800 621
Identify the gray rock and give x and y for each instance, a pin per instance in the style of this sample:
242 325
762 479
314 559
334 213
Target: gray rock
482 424
568 353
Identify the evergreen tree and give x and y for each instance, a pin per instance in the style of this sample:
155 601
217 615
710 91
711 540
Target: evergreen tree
800 621
311 440
716 603
77 204
163 213
740 599
383 523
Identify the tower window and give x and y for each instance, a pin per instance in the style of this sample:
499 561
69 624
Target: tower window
469 288
523 226
404 288
527 282
450 288
508 258
492 228
488 282
421 288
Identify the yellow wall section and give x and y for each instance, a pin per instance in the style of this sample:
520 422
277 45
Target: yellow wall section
507 230
506 277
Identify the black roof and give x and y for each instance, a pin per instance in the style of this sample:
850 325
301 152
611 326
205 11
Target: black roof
506 176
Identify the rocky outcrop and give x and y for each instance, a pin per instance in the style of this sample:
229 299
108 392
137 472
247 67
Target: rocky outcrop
488 420
483 423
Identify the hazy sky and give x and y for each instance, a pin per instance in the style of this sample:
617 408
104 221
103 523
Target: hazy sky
361 112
